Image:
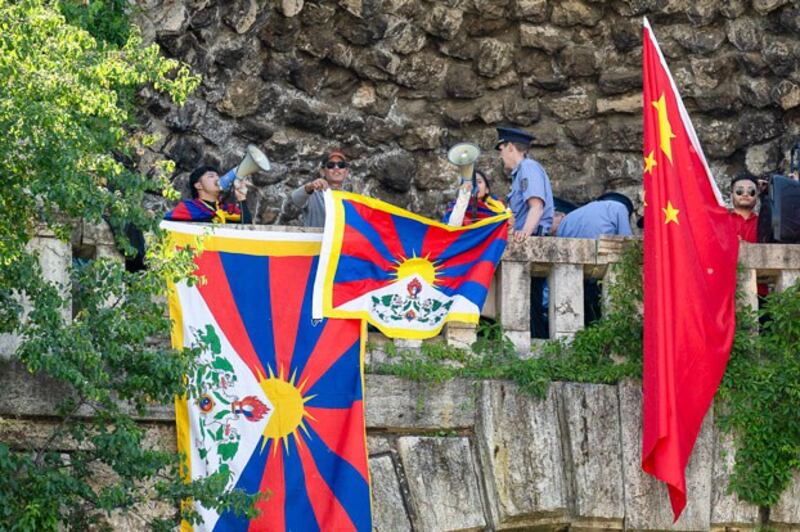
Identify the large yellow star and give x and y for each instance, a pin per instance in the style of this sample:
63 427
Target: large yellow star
670 213
665 134
649 162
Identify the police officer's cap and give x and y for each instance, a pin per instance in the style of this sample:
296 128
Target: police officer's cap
508 134
619 198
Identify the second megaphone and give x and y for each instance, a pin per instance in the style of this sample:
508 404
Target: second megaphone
464 156
253 161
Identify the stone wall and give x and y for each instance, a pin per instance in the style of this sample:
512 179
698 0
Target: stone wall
396 82
484 456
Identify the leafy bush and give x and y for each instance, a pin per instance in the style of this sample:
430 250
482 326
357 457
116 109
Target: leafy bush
67 116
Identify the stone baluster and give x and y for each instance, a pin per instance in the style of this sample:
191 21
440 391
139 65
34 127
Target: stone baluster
54 257
609 278
566 300
460 334
748 289
514 286
787 278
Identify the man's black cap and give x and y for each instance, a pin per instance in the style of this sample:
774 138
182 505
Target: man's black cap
619 198
509 134
562 205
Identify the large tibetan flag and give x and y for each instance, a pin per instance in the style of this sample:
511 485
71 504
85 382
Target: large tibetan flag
277 398
405 274
690 254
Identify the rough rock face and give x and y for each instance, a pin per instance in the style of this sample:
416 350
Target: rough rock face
394 83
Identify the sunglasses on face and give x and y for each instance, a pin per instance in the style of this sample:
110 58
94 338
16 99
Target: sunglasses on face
741 192
330 165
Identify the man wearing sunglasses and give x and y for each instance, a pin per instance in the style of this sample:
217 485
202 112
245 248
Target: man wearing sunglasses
333 171
744 196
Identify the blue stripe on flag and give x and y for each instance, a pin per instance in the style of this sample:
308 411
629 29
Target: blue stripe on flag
468 240
492 253
411 234
248 277
297 506
471 290
355 220
250 482
347 484
341 384
355 269
307 333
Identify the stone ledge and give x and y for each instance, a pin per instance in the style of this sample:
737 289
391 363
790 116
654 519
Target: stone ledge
769 258
392 403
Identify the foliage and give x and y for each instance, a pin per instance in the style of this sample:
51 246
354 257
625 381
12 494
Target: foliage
605 352
761 398
69 134
106 20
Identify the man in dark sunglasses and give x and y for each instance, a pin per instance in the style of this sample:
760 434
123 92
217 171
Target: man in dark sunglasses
744 196
333 172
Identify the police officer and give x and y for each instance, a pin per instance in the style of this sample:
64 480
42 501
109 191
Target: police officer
609 214
531 197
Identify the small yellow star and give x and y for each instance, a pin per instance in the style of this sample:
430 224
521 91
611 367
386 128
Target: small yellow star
649 162
665 134
670 213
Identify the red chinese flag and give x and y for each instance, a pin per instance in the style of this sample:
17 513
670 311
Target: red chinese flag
690 253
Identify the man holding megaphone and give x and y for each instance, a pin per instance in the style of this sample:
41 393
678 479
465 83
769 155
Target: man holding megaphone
206 187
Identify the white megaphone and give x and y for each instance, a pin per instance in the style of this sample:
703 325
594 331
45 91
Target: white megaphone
253 161
464 156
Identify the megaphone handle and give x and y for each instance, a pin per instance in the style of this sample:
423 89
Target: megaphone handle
474 193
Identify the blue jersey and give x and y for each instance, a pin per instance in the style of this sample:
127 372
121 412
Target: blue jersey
530 181
595 219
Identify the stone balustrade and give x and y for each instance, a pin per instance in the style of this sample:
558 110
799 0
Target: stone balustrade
565 262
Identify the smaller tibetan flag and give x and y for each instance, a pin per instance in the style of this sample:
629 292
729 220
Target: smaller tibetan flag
405 274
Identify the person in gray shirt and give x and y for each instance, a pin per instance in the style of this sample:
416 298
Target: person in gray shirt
333 173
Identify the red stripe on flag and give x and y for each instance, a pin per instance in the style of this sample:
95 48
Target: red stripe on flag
287 284
500 233
349 290
436 240
329 512
337 337
383 224
272 517
342 430
217 294
355 244
481 273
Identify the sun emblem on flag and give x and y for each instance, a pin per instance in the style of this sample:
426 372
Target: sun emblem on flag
420 266
288 401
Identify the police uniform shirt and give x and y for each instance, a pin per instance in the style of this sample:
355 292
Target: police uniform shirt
530 181
595 219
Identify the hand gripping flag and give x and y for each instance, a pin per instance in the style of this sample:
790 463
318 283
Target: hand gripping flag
277 397
690 254
405 274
